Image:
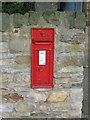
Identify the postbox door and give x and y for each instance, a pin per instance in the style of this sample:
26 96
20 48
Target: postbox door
42 67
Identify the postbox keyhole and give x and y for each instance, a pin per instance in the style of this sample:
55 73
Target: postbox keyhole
40 69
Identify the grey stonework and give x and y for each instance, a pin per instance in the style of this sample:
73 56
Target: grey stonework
65 99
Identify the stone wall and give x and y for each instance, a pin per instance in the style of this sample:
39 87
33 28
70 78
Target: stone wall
18 98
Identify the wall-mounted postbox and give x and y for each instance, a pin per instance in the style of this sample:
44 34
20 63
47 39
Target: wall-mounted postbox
42 59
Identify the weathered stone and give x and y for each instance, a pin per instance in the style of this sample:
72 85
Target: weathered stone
19 44
0 36
75 114
5 55
80 21
62 81
25 19
4 115
76 95
19 115
72 58
0 6
74 36
24 107
40 115
13 97
25 30
37 97
71 69
22 88
22 59
69 21
63 47
34 18
3 47
60 107
21 78
4 22
7 77
58 96
5 37
15 69
6 107
44 108
52 17
17 20
6 62
66 96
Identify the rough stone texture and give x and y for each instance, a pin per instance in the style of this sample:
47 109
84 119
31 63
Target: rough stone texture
5 36
75 36
24 107
17 20
0 36
5 22
34 18
67 59
80 21
52 17
37 97
6 62
6 107
3 47
19 44
65 99
70 20
13 97
58 96
23 59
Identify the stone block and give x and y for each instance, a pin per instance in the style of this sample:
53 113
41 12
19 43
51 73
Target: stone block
76 96
36 96
34 18
4 56
70 20
7 77
6 62
58 96
13 97
20 77
71 69
24 107
67 59
22 59
21 115
0 36
25 19
17 20
6 107
5 37
52 17
80 21
19 44
4 22
3 47
15 69
64 47
59 107
74 35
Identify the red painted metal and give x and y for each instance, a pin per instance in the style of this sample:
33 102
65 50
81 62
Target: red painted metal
42 59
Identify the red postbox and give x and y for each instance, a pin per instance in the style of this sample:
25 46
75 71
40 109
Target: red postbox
42 57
